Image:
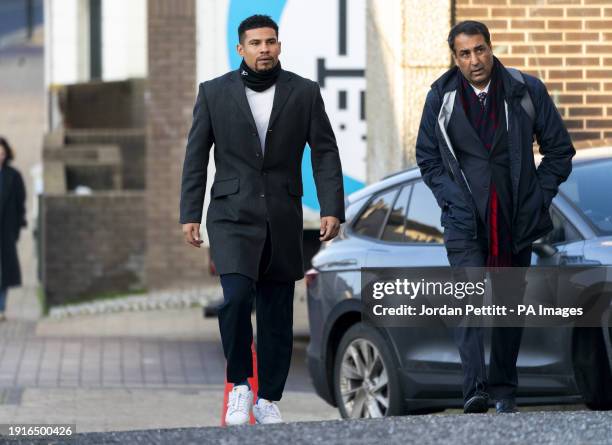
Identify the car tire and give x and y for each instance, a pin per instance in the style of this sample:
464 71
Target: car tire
592 368
359 397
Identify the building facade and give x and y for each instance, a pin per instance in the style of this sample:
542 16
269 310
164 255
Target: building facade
374 59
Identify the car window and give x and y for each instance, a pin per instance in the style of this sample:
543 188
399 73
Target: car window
396 223
370 222
423 221
353 209
563 231
584 189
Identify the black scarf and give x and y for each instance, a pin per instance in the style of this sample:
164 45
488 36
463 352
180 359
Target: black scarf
259 81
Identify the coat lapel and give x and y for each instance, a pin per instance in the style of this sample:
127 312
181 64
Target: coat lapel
501 128
467 138
239 95
281 94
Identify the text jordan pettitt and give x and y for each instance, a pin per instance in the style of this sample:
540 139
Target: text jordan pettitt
469 309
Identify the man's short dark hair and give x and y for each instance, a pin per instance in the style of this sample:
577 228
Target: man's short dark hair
256 21
7 148
471 28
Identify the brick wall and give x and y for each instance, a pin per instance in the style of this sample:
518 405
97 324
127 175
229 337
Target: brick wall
171 94
566 43
91 245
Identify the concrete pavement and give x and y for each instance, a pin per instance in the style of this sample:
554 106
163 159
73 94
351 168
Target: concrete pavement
520 428
126 370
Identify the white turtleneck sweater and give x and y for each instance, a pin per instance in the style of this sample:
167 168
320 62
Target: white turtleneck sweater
261 108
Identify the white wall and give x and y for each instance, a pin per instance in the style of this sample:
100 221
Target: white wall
66 41
211 44
124 39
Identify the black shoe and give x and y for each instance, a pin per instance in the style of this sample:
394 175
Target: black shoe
478 403
505 406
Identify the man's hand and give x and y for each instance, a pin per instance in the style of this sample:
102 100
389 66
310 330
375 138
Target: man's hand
192 234
330 225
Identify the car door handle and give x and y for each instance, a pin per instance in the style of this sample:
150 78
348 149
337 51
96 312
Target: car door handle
341 263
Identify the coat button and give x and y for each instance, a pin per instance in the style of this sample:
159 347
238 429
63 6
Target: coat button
262 195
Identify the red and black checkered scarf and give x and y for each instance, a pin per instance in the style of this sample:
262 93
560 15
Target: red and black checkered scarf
485 122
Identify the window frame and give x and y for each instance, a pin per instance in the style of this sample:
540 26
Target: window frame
566 220
366 205
411 183
400 190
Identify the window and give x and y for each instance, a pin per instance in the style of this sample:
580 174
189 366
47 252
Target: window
585 187
396 223
372 219
352 210
563 231
423 221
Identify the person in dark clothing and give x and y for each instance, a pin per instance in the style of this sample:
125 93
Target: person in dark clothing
260 118
12 219
475 152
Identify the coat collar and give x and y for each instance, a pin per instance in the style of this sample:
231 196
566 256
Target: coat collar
281 94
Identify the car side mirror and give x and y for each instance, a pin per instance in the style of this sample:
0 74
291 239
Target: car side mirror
544 250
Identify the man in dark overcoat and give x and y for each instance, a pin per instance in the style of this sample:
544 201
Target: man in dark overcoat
259 119
475 152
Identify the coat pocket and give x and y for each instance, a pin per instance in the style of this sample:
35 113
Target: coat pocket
295 188
225 187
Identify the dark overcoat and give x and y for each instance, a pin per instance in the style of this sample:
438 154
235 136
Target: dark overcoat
254 188
12 219
532 189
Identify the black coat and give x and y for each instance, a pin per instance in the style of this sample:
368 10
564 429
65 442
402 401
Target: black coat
12 219
251 190
532 189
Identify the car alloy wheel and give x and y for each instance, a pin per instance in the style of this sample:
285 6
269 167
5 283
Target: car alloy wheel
364 381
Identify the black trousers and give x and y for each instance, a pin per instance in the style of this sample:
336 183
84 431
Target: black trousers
502 381
274 315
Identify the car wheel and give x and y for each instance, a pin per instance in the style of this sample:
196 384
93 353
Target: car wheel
366 382
592 368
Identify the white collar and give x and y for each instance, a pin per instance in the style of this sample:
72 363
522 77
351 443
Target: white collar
485 89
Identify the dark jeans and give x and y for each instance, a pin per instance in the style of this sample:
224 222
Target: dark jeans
505 341
274 314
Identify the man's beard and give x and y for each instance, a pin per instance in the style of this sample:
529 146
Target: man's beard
265 70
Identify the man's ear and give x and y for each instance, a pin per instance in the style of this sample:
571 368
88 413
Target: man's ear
240 49
280 47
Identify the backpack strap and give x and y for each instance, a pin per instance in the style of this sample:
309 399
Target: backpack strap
526 101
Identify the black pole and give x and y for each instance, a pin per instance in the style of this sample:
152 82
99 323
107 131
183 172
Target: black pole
95 39
30 17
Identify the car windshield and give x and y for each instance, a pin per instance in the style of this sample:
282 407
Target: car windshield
587 187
